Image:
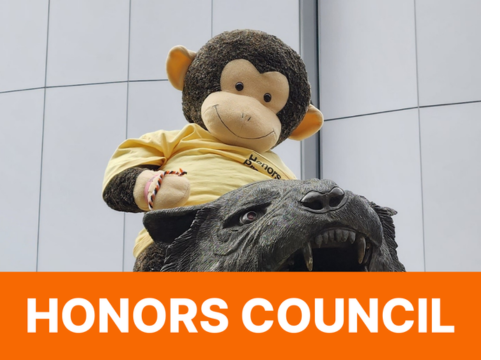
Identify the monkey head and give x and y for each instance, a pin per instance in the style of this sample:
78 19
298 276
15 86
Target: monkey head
247 88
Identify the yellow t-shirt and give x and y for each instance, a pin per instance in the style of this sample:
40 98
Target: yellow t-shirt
213 168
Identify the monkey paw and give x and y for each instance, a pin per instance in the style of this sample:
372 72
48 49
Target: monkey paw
173 192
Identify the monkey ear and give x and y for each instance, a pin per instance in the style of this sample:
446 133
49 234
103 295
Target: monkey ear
178 60
310 124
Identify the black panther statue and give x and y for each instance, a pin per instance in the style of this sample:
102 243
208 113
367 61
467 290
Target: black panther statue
274 225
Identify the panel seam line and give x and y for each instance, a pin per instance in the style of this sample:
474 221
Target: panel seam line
403 109
419 136
83 84
126 122
42 142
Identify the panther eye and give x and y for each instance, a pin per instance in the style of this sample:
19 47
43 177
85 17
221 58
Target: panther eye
239 86
248 217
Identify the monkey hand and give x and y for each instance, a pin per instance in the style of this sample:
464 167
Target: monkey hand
156 190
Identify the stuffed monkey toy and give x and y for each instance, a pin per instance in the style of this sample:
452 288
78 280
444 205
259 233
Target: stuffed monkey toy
243 93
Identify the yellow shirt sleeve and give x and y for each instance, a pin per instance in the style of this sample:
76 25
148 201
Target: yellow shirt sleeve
150 149
214 168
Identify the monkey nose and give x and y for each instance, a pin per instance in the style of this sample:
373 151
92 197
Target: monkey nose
243 117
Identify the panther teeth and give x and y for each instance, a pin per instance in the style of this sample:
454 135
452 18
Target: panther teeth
361 246
335 236
308 257
340 238
319 240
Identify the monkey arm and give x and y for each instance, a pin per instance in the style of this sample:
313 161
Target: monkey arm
119 193
125 191
132 158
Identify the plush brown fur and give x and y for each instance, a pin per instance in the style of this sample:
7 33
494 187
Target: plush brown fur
267 53
119 193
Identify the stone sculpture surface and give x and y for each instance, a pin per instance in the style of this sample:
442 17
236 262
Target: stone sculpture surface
286 225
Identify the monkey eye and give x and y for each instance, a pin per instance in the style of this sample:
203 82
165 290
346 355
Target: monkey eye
248 217
239 86
267 97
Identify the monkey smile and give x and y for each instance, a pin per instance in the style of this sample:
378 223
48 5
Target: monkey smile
232 132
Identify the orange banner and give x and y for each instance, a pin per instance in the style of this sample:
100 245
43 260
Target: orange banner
240 315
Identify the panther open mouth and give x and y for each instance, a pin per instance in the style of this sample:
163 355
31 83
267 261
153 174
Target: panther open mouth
333 249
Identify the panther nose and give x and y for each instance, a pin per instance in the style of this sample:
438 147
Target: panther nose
322 202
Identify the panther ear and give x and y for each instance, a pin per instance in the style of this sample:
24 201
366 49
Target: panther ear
385 215
166 225
390 211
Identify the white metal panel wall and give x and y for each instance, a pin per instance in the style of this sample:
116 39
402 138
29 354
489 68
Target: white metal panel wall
449 51
21 118
388 71
158 25
23 42
367 56
451 149
88 42
77 230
